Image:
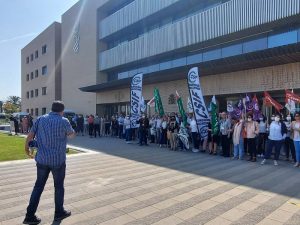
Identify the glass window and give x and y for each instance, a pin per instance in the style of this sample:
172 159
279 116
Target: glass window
31 93
255 45
44 70
27 94
153 68
44 90
36 54
143 69
31 75
133 72
31 57
282 39
27 110
31 111
36 92
212 55
193 59
36 73
232 50
27 77
44 49
112 76
44 111
179 62
36 112
27 60
165 65
123 75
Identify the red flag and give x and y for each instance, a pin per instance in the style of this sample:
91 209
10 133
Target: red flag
289 95
271 102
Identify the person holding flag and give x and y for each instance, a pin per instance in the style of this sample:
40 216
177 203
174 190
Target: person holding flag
213 128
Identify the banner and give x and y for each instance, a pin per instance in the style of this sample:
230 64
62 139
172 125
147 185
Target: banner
214 116
135 99
181 109
256 111
271 102
143 105
189 106
199 107
290 99
292 96
229 107
158 104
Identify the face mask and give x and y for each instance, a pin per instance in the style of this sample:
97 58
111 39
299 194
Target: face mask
143 117
261 119
241 120
272 118
249 119
289 118
277 119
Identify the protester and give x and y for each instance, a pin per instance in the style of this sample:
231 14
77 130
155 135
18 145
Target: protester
102 126
276 138
127 125
163 136
288 142
144 126
252 130
262 136
173 129
121 124
225 129
194 132
80 125
24 125
51 132
91 125
158 121
238 140
295 127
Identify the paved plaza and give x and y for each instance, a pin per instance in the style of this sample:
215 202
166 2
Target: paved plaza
133 185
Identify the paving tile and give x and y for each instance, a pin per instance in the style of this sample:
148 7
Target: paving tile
233 214
169 220
119 220
188 213
205 205
269 222
281 216
218 221
138 214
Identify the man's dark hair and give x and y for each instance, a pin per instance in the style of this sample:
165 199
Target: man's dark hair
58 106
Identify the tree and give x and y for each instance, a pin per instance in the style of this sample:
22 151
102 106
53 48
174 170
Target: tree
12 105
15 100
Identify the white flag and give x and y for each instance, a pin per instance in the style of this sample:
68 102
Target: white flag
200 110
135 99
151 103
143 105
189 106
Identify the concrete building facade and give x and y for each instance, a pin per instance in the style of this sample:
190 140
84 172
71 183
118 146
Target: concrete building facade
41 71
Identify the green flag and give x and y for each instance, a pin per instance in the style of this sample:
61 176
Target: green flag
181 109
158 104
214 116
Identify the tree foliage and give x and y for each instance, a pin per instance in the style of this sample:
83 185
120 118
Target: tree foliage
12 105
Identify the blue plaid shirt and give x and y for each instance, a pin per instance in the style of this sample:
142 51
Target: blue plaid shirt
51 134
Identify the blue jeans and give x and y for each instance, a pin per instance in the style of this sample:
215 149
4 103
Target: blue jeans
42 177
297 148
128 134
277 145
239 149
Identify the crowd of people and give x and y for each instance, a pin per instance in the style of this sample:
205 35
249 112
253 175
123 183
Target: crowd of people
21 124
242 138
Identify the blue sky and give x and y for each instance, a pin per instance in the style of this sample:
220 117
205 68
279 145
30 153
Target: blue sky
20 22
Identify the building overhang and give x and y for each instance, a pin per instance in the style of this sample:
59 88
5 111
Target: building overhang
265 58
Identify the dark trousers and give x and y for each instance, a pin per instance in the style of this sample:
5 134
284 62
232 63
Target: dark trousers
226 145
271 144
97 130
143 136
251 145
163 137
107 129
128 134
91 129
42 176
261 146
195 140
121 131
289 147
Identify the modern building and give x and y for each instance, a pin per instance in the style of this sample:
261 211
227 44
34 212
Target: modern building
240 46
41 71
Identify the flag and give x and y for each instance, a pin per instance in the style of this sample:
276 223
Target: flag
200 110
256 111
158 104
151 103
189 106
135 99
214 116
229 106
248 104
290 99
237 110
181 109
143 105
269 101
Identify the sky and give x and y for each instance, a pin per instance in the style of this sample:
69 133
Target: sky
20 22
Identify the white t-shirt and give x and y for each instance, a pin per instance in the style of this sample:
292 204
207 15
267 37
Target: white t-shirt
193 126
296 133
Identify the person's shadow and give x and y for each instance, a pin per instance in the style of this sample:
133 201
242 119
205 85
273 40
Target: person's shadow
56 222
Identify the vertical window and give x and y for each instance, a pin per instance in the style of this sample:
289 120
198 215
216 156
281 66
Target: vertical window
27 94
27 110
44 111
31 57
31 93
36 73
31 75
44 70
44 90
36 112
27 77
36 54
27 60
44 49
31 111
36 92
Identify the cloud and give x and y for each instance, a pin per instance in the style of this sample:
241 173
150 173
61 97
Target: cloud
17 38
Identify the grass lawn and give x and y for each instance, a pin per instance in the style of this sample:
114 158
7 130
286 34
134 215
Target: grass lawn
12 148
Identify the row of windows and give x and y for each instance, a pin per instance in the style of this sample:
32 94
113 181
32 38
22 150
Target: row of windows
36 73
35 93
200 7
36 110
36 54
266 41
